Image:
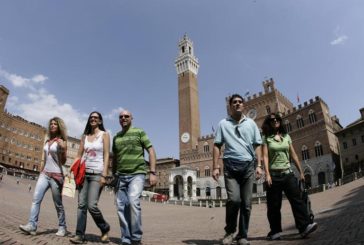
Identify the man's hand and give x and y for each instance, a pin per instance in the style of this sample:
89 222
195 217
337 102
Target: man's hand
216 174
152 179
258 173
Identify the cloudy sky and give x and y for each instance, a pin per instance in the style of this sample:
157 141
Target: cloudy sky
68 58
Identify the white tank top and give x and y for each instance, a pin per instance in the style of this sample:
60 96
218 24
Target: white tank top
51 158
94 153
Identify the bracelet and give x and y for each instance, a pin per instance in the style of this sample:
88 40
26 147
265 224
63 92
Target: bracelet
152 172
259 166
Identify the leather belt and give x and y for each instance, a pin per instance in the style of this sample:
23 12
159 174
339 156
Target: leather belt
280 172
91 171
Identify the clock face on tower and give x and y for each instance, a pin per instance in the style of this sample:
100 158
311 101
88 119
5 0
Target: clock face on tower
185 137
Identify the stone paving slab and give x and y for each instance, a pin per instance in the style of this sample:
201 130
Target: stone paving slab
339 212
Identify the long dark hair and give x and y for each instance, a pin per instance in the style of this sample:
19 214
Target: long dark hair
267 128
88 128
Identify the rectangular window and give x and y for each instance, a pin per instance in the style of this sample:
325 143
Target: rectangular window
354 142
345 145
362 139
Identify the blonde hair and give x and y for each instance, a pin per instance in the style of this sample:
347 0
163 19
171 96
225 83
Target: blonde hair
62 129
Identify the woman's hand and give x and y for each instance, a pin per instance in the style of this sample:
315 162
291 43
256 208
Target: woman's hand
268 179
61 143
102 181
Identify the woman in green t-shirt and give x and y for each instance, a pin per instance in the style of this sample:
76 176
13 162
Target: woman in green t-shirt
277 152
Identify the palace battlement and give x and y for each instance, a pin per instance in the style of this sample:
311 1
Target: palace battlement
19 118
206 137
305 104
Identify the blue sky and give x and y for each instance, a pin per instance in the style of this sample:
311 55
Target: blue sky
68 58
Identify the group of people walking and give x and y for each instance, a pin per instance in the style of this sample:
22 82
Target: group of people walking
128 165
245 153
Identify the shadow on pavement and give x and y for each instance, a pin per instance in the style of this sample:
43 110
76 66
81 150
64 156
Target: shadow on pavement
202 242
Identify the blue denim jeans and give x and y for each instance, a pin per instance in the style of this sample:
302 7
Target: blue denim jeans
128 194
43 184
239 187
88 197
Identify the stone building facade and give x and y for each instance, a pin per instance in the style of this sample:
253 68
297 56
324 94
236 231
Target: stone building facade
351 140
21 141
310 125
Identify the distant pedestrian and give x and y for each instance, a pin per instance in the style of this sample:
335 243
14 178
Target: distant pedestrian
51 176
277 152
242 141
95 148
29 187
128 162
17 181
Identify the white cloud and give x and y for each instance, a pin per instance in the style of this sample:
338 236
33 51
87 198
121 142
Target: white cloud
40 105
114 113
43 105
339 40
19 81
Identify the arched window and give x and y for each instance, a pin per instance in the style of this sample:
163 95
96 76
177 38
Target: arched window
268 109
207 171
312 116
206 147
318 149
299 120
208 191
198 172
305 153
288 126
321 178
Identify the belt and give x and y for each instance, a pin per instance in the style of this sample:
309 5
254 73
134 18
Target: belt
91 171
280 172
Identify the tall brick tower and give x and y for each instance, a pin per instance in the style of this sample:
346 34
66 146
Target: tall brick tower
4 92
189 114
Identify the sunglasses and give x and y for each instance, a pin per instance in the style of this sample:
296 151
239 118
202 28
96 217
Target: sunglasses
94 117
274 119
123 116
237 102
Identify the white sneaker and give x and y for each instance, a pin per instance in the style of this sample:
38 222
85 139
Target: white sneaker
61 231
309 229
28 229
228 239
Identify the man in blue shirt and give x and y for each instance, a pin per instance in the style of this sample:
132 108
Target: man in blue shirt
241 137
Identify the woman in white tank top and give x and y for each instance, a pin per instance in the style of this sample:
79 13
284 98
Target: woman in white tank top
51 176
94 148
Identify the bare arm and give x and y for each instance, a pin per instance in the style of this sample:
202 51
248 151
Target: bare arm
266 164
258 153
106 142
293 154
80 151
152 166
216 152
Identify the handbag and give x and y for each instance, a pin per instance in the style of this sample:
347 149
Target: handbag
112 181
79 171
69 187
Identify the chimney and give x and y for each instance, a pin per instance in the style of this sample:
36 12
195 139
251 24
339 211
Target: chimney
362 113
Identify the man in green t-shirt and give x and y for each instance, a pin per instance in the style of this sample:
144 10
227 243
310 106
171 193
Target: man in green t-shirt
129 164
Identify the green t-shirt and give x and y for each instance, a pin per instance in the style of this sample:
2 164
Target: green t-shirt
278 151
128 149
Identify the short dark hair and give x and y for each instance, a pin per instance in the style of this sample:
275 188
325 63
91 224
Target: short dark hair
267 128
232 97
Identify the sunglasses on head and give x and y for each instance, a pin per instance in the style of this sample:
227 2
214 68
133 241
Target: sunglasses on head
123 116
